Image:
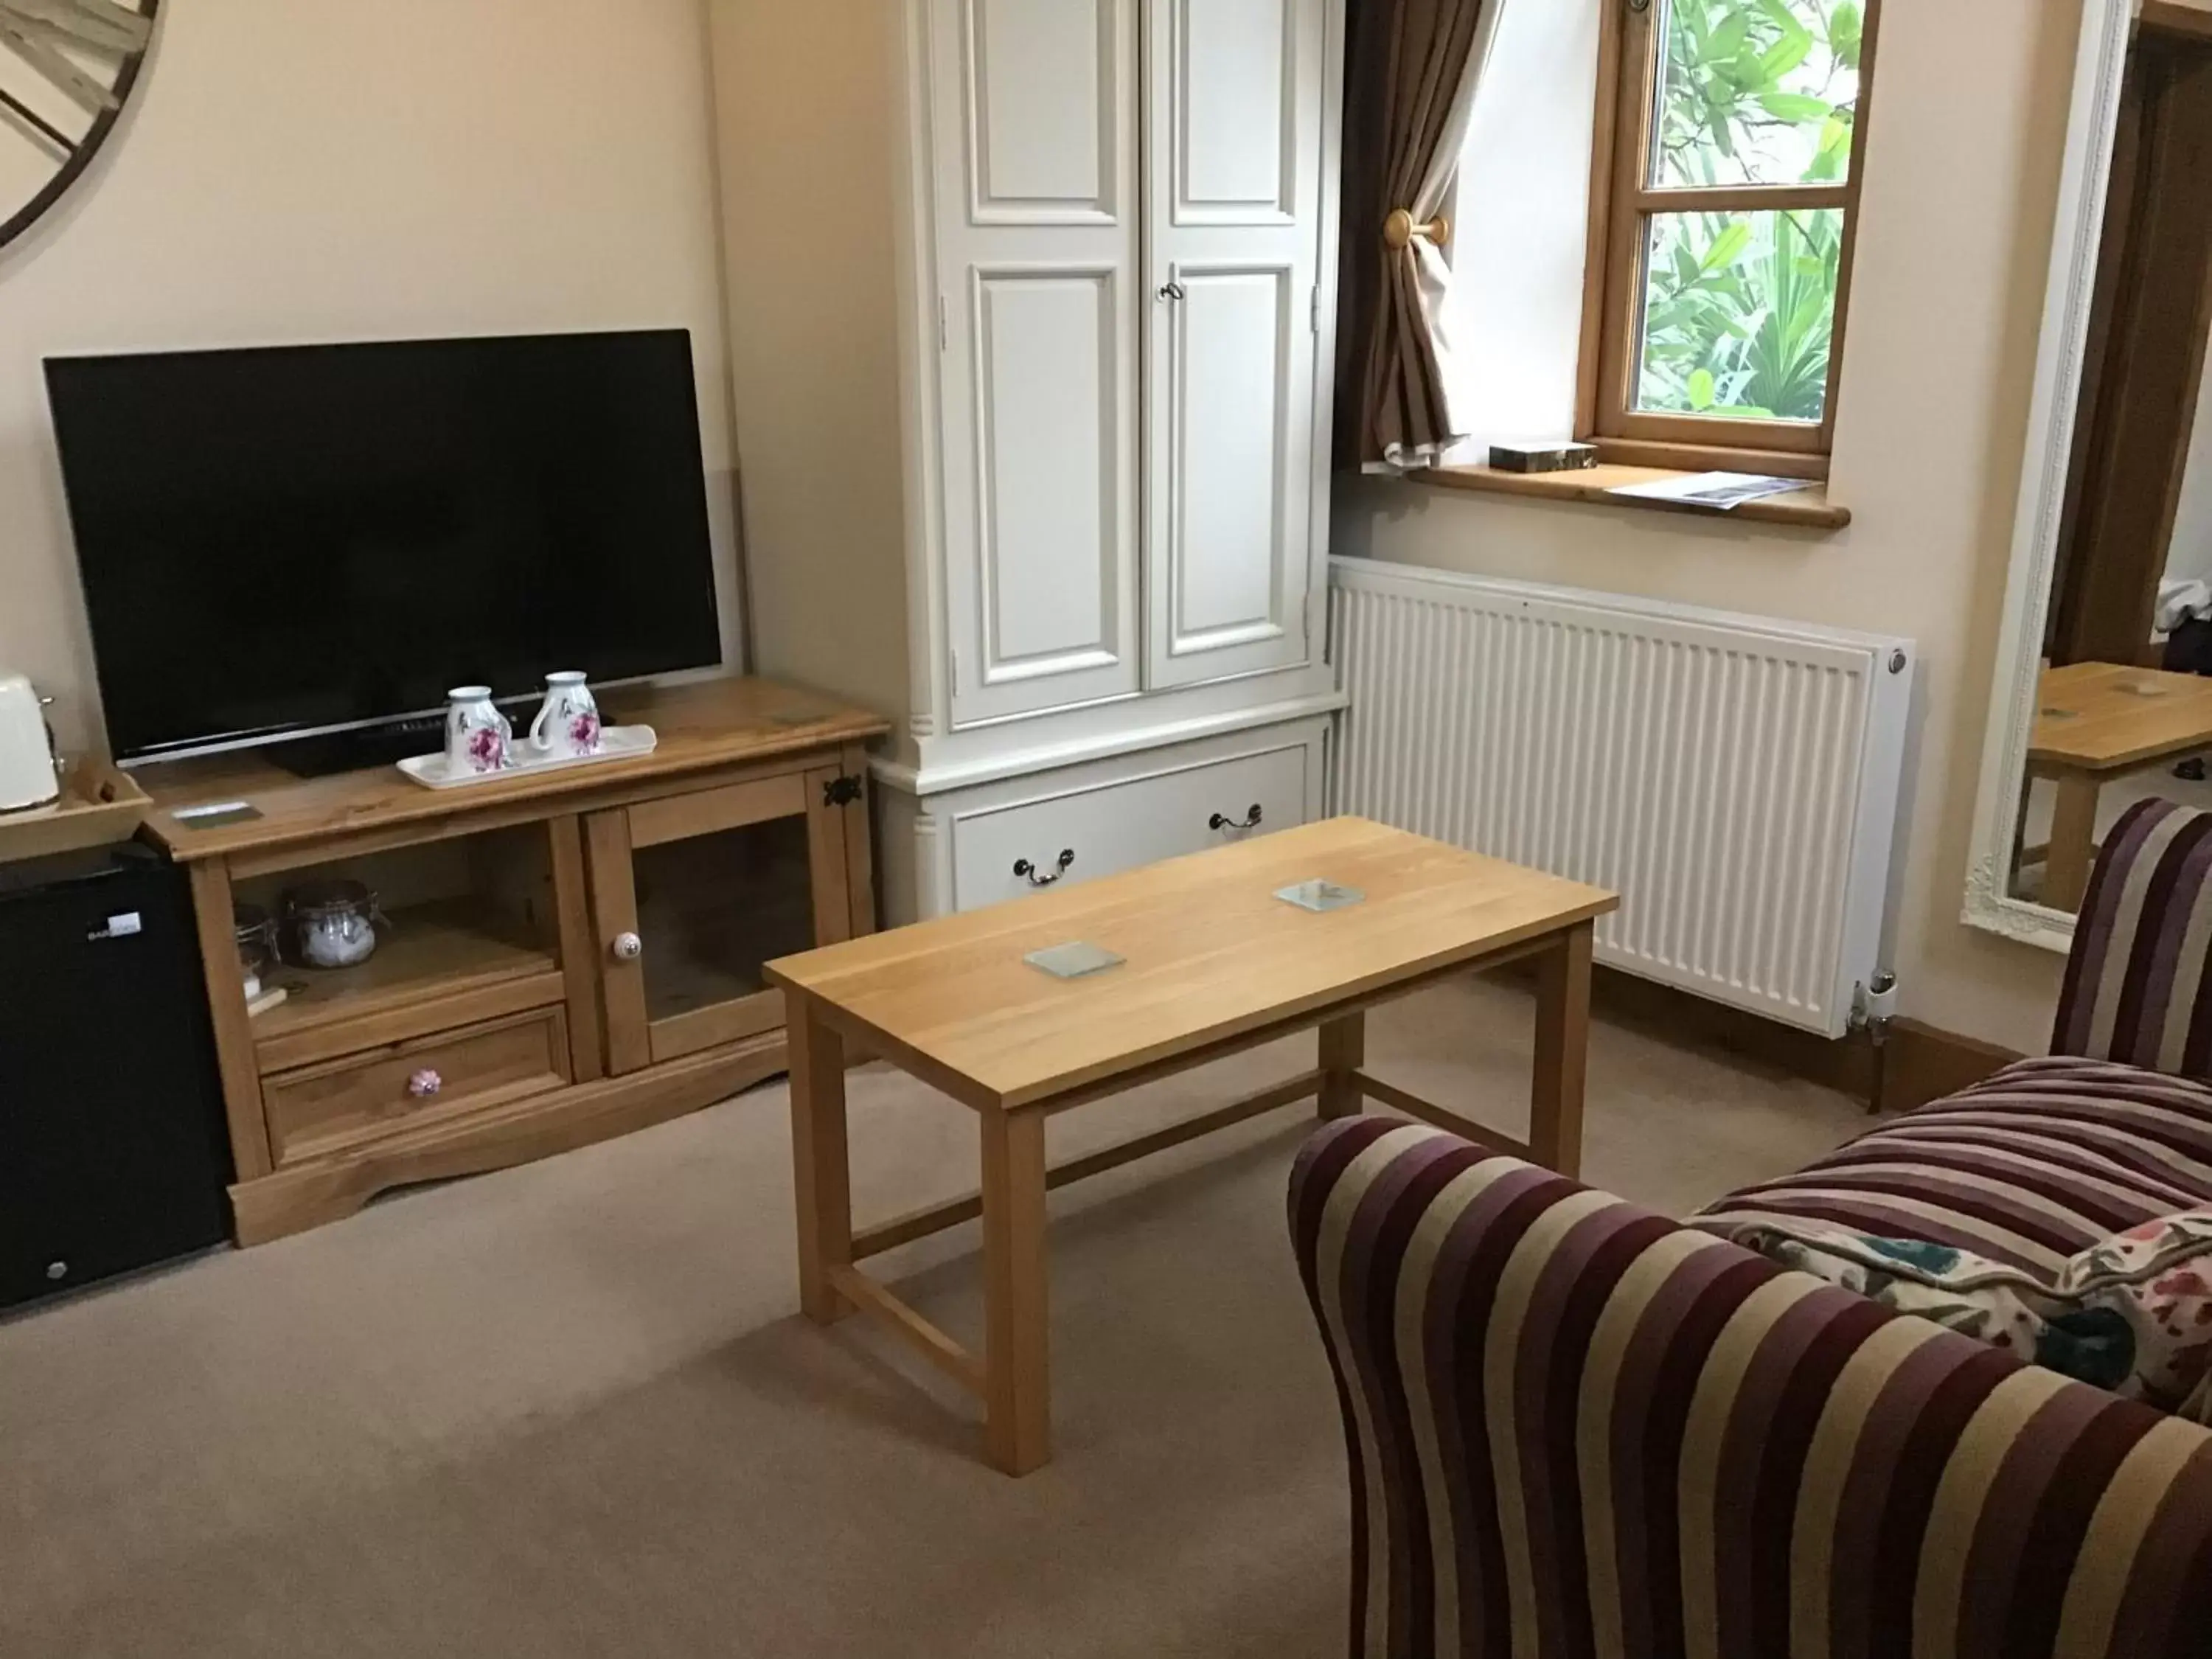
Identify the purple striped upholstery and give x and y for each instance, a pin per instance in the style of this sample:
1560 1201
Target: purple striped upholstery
2136 986
2031 1167
1578 1429
2049 1156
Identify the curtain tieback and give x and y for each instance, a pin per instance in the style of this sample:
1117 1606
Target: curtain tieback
1400 228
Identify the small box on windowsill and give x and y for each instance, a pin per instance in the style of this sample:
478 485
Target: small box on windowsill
1549 457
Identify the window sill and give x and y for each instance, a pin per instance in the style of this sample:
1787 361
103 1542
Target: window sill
1808 508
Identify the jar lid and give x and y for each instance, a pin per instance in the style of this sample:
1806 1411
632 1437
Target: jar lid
312 898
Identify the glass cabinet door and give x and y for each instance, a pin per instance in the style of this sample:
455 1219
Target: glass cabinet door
693 893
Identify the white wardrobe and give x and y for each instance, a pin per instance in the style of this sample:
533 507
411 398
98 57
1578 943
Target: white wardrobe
1031 314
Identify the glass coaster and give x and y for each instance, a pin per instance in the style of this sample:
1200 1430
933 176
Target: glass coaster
1320 896
218 816
1072 961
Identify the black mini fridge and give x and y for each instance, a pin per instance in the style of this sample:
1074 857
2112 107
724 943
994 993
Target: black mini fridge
112 1149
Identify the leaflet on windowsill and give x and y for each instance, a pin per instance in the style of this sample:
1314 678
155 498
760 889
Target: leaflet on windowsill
1720 491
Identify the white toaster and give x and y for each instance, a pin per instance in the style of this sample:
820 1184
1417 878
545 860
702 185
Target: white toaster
28 776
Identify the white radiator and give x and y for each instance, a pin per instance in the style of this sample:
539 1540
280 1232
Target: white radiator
1734 779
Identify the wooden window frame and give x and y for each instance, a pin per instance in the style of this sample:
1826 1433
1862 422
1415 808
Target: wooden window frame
1613 286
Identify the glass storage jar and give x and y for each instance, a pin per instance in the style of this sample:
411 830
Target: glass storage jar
332 924
255 930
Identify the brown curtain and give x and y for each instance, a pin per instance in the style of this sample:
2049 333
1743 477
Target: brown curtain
1406 63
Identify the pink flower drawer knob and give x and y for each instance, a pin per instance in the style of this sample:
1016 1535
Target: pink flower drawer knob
425 1083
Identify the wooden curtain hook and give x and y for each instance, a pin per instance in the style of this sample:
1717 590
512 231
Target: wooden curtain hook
1400 229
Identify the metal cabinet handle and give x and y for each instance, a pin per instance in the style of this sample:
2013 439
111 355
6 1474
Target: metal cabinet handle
1223 821
627 947
424 1084
1171 291
1028 872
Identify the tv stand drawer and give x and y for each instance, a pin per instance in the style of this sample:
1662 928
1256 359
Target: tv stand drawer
347 1102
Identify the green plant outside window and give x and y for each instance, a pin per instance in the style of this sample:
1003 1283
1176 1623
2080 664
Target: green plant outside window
1739 304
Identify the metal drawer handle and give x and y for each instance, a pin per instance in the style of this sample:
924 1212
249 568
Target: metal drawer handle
1024 869
1171 292
424 1084
1223 821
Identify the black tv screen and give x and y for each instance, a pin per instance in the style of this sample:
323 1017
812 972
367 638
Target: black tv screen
294 539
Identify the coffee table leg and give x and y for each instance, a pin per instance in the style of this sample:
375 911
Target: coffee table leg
1343 1052
2073 842
1017 1389
821 1176
1555 1100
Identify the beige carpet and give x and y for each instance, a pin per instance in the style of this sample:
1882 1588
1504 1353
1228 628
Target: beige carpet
568 1409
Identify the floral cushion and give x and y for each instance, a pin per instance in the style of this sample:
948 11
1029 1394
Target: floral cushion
2159 1277
2132 1314
2003 1306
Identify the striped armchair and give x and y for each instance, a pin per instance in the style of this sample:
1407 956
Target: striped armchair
1579 1429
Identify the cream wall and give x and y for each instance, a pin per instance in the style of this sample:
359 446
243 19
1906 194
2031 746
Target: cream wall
1520 220
326 169
1960 186
813 308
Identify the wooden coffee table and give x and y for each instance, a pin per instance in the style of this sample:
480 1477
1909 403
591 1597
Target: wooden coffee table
1214 962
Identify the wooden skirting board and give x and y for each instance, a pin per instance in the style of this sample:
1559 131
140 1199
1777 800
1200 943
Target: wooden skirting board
1920 1062
1916 1063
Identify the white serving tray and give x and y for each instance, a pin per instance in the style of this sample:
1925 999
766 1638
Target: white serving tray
615 743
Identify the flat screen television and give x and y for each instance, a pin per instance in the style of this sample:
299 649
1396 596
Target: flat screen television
295 540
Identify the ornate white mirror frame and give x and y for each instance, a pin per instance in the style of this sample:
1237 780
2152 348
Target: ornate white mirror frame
2092 118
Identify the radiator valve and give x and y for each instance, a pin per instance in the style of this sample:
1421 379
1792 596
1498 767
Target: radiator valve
1873 1004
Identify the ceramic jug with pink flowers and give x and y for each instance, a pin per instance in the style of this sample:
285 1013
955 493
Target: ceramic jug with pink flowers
568 723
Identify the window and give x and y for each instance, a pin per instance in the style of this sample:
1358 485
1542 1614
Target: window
1724 202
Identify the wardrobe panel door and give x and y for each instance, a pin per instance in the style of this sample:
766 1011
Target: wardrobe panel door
1235 75
1234 196
1044 429
1048 90
1038 219
1233 397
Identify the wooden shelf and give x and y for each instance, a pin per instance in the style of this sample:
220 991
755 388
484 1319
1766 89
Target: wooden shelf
713 724
435 966
1808 508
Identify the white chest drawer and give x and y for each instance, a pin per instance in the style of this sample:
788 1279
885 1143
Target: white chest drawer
1146 807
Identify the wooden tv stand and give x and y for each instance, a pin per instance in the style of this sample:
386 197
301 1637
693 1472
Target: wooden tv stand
568 957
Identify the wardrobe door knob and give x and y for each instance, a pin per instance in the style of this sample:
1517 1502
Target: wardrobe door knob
627 947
